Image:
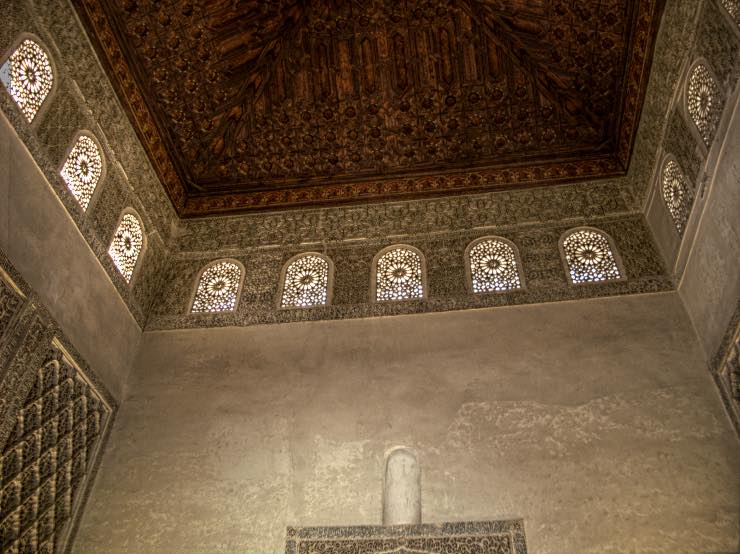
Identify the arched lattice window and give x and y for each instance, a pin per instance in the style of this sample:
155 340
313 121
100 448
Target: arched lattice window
28 77
126 245
82 169
589 256
399 274
704 102
306 282
676 194
218 287
494 265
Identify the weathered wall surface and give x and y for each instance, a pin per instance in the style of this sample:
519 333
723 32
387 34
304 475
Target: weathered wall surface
596 421
710 287
45 246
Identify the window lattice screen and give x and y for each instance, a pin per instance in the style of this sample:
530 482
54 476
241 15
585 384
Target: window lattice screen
306 282
589 257
704 102
28 77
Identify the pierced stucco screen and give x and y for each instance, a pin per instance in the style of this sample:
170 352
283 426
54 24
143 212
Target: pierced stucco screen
126 245
493 266
306 282
82 170
218 288
28 77
676 194
589 257
399 275
733 8
704 102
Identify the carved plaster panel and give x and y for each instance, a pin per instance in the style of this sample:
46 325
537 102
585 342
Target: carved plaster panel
489 537
446 277
54 420
725 368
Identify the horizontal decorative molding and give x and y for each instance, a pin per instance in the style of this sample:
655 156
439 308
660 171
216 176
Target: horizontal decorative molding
481 537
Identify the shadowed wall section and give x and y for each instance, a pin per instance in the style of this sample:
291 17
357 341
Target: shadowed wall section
42 242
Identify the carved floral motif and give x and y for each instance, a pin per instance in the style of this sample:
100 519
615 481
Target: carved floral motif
480 537
48 455
54 416
10 304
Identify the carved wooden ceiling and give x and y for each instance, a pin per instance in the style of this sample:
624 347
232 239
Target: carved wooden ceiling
254 104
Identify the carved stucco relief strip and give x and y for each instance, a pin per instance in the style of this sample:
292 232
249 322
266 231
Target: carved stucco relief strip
444 253
504 536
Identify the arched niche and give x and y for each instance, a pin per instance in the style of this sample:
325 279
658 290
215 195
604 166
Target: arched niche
402 488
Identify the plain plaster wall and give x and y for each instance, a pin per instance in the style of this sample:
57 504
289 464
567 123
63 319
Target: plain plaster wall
710 284
45 246
596 421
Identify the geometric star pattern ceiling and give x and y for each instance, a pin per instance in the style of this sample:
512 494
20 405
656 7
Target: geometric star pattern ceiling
247 105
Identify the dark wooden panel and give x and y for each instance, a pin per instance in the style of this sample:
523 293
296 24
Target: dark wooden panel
244 104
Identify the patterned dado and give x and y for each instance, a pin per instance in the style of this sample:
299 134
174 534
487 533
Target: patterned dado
482 537
54 421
